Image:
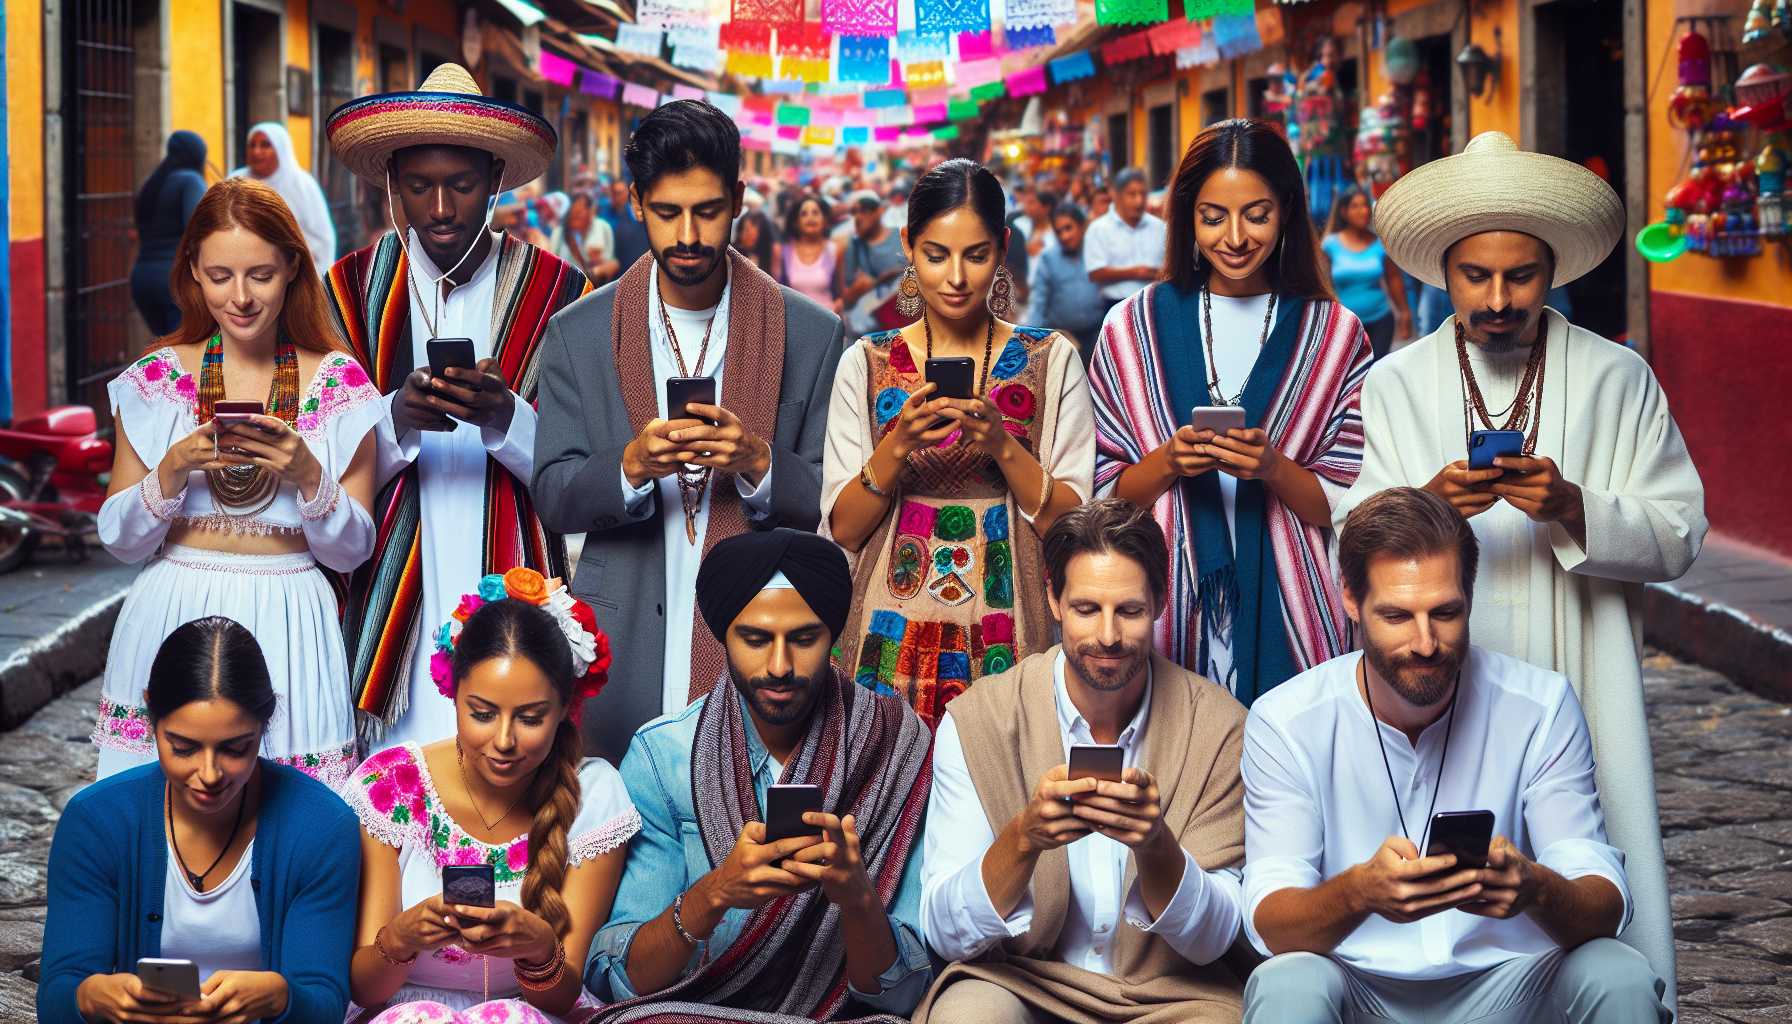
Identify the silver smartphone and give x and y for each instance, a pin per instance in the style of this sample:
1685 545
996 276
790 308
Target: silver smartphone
175 977
1217 418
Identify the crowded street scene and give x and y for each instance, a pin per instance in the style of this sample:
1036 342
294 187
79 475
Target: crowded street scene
935 511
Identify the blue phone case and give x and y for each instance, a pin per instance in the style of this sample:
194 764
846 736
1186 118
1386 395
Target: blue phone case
1486 445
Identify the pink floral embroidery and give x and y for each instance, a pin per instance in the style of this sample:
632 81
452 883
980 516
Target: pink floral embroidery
468 855
122 727
186 388
353 375
153 371
383 795
517 857
1015 400
916 519
453 955
339 384
901 359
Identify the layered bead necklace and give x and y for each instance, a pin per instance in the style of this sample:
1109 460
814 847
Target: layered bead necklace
1522 414
691 482
1214 394
243 492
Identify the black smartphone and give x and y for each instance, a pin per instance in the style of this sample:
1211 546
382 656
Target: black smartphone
1486 445
235 412
1467 834
682 391
784 810
447 352
175 977
952 377
1096 761
469 885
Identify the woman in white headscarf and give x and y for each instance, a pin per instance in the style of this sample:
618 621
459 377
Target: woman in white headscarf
271 161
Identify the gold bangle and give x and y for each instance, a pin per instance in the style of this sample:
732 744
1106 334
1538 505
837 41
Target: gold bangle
1045 493
543 977
869 482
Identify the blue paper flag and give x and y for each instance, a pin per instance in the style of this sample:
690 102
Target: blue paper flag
865 59
1069 69
952 15
1027 38
855 135
877 98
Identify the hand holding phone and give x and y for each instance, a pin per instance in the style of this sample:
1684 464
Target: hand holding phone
1217 418
1486 445
784 810
169 976
469 885
682 392
1463 833
449 352
1100 761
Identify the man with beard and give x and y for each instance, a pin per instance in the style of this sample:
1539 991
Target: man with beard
654 488
1367 920
1075 898
1600 495
712 921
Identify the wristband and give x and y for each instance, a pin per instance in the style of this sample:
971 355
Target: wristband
678 921
869 482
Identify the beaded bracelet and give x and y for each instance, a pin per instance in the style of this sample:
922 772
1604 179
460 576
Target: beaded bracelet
164 509
380 948
678 921
544 977
321 504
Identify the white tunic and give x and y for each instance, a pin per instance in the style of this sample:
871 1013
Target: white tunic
683 557
958 918
1605 422
219 930
451 479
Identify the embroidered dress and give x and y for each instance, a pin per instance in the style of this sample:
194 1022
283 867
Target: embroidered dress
950 587
283 599
396 799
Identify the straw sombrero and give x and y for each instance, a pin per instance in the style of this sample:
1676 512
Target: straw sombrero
1492 185
446 110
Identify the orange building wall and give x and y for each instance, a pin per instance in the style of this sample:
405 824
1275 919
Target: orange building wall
25 185
196 84
298 55
1497 111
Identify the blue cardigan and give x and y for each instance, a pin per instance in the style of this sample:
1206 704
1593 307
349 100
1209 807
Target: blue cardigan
110 857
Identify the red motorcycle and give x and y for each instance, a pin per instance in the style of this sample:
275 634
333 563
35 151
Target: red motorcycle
50 469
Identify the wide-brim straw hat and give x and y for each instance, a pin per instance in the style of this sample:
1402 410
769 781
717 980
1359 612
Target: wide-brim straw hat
1492 185
446 110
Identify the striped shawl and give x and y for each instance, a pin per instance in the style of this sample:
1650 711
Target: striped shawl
370 296
871 756
1312 419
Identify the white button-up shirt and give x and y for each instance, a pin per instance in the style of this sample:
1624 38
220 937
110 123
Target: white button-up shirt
959 921
1111 242
450 473
1317 801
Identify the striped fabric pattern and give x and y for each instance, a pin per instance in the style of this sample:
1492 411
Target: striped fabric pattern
370 297
1313 420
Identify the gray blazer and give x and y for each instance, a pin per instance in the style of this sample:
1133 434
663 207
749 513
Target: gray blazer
581 431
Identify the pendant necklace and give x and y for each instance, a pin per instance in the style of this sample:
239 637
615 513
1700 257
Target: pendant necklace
244 492
1375 723
1214 394
197 881
460 762
1526 403
989 341
692 482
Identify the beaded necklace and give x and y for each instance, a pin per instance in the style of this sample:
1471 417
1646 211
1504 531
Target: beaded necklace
1525 415
247 491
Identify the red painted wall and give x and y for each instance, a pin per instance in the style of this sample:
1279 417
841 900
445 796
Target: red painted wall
1727 368
30 368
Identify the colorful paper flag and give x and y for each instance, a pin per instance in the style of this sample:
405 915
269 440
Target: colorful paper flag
727 102
1028 38
1130 12
854 135
1039 13
978 72
951 15
740 37
1027 83
1128 47
886 133
774 13
637 95
931 113
885 98
865 59
974 46
687 92
555 68
1236 35
989 91
749 65
859 17
790 114
961 110
818 135
1173 35
668 13
596 83
946 133
641 39
914 47
926 75
1068 69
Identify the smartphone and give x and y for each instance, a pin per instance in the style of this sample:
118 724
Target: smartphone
682 391
1096 761
1467 834
952 377
1486 445
235 412
175 977
1217 418
447 352
469 885
784 810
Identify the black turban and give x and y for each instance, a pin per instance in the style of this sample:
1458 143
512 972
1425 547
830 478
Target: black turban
737 569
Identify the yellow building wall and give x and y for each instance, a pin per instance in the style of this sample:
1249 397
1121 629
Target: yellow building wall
25 122
1497 111
195 82
1766 278
298 54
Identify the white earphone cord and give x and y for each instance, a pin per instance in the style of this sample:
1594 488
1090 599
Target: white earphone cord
435 284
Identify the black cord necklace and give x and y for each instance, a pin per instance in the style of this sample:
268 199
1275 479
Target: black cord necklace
198 881
1441 761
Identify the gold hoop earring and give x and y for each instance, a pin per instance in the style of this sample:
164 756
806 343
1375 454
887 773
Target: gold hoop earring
908 295
1001 294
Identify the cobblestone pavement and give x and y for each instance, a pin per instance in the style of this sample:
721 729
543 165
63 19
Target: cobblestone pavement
1721 764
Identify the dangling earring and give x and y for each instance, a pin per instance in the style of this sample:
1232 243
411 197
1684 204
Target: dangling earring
1001 294
1282 260
908 295
1197 259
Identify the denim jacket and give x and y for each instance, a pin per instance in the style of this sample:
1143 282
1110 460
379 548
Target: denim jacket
667 857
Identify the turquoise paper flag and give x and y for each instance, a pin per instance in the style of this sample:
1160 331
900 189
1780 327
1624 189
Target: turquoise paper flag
1069 69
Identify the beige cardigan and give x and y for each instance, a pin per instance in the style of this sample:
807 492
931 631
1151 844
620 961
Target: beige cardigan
1192 749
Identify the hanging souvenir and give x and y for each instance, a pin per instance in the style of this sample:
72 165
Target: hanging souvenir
1770 181
1382 147
1691 105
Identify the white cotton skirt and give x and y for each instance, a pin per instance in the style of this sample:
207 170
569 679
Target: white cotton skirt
285 601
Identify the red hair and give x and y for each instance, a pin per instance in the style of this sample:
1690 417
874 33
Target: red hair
258 209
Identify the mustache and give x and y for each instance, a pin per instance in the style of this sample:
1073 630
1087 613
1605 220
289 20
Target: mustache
1485 318
694 250
1121 650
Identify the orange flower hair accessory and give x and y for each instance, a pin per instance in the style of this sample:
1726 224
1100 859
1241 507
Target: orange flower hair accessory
578 623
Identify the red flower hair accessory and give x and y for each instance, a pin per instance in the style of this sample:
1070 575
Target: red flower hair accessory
589 645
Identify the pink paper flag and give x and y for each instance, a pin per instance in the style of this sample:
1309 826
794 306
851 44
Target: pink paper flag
925 97
557 69
637 95
979 72
827 116
861 118
974 46
930 113
1028 82
763 117
687 92
790 131
886 132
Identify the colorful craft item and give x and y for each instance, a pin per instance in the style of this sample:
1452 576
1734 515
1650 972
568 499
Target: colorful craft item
777 14
1131 12
1691 105
951 15
1076 66
1129 47
859 17
589 646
